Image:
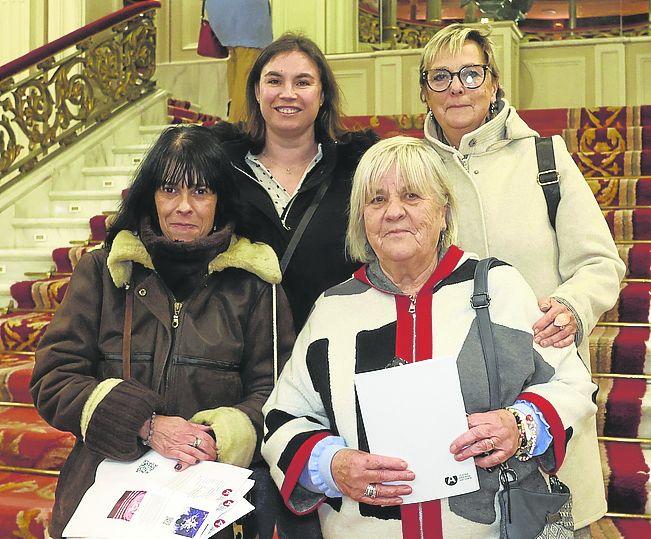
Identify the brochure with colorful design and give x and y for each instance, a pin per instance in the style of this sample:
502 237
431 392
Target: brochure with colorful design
148 498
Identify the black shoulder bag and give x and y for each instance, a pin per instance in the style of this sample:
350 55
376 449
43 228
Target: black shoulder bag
524 514
548 176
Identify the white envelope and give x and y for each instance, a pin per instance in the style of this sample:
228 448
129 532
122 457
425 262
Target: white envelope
414 412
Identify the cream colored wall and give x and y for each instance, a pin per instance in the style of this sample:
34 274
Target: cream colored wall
332 24
589 73
28 24
14 41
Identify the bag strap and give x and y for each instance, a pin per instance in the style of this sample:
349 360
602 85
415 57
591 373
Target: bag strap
480 301
203 10
302 225
126 334
548 176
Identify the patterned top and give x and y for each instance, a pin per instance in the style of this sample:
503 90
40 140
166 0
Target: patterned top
277 193
357 327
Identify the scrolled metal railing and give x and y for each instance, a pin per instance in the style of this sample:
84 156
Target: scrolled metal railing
53 95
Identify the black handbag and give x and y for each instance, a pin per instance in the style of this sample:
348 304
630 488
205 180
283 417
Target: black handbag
525 514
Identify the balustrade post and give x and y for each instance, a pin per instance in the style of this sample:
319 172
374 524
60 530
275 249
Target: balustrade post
572 10
434 10
389 22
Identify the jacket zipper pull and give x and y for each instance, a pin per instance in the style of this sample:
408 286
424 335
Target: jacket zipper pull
175 316
412 305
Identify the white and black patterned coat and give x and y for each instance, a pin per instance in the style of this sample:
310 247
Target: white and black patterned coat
356 327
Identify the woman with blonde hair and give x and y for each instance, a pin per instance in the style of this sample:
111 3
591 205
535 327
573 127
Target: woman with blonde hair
410 303
522 199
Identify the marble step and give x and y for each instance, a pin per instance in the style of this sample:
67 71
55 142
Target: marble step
150 133
5 295
127 156
15 262
96 178
49 231
83 203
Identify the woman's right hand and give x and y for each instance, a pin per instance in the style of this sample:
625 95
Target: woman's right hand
354 470
173 437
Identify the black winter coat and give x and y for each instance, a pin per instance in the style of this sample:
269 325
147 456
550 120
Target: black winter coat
319 261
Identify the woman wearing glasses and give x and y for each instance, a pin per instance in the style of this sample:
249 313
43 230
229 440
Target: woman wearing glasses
566 254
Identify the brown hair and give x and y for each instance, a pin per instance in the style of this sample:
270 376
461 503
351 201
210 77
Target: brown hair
328 124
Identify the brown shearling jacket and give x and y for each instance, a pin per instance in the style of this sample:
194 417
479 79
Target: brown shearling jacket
218 361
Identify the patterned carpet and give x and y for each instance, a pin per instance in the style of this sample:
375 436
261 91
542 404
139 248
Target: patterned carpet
612 147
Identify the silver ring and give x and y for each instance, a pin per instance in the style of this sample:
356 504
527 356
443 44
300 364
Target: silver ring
196 443
371 490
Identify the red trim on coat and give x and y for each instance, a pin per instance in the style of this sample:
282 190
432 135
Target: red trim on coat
555 425
431 510
404 330
296 468
360 275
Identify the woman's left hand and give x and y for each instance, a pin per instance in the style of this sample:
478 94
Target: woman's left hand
557 327
492 437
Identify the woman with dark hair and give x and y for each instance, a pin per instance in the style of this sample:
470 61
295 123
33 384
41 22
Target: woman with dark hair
293 156
167 338
293 163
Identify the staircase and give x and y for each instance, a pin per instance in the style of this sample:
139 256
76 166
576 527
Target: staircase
612 146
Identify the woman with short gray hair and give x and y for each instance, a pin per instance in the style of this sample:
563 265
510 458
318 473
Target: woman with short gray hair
408 303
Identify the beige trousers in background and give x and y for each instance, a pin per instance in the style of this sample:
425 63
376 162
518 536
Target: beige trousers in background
240 61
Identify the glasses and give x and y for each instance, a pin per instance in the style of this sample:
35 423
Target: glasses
439 80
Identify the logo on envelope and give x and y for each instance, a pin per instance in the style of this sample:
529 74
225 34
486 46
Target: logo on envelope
451 480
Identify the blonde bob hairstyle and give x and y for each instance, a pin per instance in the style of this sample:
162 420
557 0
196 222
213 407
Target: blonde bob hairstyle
453 38
420 170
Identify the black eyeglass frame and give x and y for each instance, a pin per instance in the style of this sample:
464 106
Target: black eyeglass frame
485 67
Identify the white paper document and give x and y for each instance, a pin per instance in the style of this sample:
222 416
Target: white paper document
148 498
414 412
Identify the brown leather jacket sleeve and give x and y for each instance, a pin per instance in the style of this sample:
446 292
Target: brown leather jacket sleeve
66 365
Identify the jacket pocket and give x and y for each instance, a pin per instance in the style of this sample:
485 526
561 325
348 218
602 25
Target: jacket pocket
200 384
110 366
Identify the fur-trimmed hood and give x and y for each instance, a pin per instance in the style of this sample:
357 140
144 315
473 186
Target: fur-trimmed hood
256 258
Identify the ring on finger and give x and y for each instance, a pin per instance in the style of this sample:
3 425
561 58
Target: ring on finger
562 320
197 442
492 442
371 490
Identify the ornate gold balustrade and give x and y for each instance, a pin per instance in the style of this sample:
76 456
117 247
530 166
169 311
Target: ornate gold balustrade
417 34
53 95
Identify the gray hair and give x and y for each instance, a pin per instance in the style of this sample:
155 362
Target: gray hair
421 170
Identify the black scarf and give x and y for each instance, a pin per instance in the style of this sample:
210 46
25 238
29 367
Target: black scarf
183 264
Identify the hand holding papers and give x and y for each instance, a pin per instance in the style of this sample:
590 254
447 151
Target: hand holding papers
148 498
420 426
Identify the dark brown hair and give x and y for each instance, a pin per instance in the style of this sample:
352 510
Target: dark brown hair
327 125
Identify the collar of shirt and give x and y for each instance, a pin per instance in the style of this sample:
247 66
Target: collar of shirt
277 193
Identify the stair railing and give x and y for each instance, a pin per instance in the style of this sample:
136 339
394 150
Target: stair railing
53 95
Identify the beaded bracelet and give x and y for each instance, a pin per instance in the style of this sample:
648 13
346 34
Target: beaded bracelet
528 434
147 441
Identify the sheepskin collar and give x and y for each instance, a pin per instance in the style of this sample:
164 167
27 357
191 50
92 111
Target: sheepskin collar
256 258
